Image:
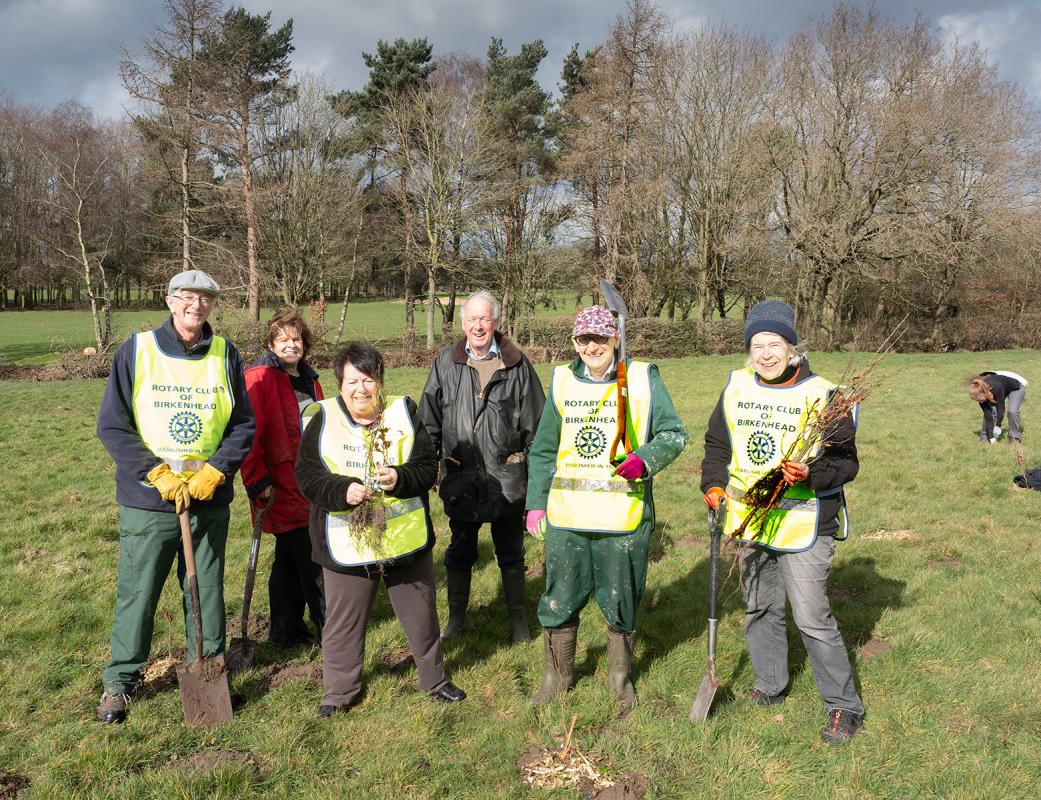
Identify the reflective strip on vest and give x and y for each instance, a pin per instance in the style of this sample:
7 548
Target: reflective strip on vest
764 422
181 405
583 495
342 447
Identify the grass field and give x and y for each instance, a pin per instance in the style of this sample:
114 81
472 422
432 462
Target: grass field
33 337
937 592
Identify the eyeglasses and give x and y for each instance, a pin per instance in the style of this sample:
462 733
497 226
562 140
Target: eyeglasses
590 338
188 299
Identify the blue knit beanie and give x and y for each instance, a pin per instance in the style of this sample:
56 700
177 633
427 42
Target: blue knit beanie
771 316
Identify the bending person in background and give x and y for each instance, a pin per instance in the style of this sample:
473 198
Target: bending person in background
366 464
597 516
762 411
177 421
993 391
281 384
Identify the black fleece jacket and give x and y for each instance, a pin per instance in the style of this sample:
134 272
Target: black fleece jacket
477 432
836 465
327 491
118 432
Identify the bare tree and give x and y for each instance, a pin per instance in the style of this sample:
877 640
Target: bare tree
308 205
80 156
442 140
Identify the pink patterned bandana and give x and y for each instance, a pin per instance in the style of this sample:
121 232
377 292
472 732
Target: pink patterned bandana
595 320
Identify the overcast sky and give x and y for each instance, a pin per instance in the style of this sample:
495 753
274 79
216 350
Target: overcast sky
56 50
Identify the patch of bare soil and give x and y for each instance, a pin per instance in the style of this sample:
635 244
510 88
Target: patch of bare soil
691 543
210 760
277 676
875 646
259 624
940 563
536 569
633 786
398 662
11 785
693 469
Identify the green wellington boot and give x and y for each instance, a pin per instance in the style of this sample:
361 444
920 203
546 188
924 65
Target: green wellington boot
560 663
619 665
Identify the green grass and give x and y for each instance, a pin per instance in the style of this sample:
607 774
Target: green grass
34 337
952 704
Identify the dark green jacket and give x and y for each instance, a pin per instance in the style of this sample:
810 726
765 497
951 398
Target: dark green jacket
666 439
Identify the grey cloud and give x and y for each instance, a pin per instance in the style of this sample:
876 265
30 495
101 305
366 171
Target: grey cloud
53 50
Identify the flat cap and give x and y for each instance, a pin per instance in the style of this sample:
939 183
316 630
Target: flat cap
193 280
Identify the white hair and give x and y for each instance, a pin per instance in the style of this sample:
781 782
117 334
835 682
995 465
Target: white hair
485 296
796 355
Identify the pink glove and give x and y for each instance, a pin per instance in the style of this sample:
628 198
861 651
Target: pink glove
535 522
632 468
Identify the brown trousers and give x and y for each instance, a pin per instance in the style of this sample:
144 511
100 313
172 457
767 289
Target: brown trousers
348 604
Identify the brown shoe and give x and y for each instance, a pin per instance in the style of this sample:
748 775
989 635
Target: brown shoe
112 708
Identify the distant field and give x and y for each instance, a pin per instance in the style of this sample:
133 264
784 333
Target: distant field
936 592
32 337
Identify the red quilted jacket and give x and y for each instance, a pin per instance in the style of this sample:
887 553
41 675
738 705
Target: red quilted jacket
275 445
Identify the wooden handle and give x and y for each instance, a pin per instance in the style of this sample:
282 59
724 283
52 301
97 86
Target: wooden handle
193 579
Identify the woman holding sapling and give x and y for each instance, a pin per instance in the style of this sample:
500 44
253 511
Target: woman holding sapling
780 446
366 464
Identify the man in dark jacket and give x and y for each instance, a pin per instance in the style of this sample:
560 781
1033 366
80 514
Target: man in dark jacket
176 419
481 405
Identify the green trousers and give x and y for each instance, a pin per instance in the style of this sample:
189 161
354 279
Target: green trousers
149 542
577 564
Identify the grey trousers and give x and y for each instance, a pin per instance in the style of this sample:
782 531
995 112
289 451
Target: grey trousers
767 577
1013 402
348 604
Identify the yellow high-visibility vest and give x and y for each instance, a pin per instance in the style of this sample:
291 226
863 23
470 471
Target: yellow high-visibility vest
763 422
583 495
181 405
342 446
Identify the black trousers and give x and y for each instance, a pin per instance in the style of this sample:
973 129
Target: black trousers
507 536
295 583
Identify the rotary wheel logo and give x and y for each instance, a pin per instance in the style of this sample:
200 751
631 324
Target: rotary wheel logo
761 448
590 442
185 427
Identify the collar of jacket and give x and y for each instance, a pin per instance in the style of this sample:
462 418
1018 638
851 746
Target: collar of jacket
269 359
508 351
170 342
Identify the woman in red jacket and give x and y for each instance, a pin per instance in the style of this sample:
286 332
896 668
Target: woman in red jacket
280 385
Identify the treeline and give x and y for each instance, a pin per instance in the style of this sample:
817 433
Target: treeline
863 170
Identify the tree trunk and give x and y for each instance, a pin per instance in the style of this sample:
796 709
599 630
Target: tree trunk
253 285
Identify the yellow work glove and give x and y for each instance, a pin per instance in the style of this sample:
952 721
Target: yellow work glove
204 483
170 487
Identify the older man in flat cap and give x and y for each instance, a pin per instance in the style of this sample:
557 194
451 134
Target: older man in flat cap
177 421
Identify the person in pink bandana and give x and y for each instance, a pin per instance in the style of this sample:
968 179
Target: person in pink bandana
596 514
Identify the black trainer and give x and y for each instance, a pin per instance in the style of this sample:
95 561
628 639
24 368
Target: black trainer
842 726
327 711
760 698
